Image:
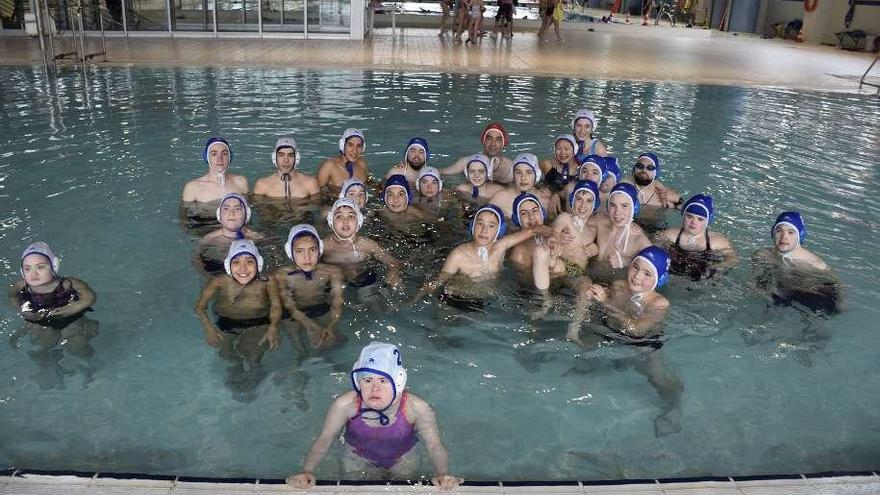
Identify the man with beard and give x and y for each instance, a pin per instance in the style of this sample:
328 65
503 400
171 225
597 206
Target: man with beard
217 181
287 181
646 177
494 139
415 156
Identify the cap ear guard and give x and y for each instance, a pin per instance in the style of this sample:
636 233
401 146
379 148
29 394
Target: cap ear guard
241 247
210 142
502 226
298 231
242 200
44 250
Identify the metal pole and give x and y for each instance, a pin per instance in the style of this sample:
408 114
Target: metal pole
306 18
260 17
82 38
39 13
168 8
124 18
215 17
282 14
49 26
103 38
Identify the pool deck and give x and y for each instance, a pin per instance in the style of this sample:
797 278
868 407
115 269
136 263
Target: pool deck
590 50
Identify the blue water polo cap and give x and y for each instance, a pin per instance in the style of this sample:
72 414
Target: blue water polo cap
531 161
502 227
585 185
418 142
613 168
379 358
629 190
43 250
658 260
595 161
302 230
793 219
519 200
653 159
701 205
241 247
397 180
211 142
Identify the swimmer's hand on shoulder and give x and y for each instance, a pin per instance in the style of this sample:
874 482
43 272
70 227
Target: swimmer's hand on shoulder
302 481
447 481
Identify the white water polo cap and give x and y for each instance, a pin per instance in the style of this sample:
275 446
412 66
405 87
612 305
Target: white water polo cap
382 359
242 247
43 250
286 142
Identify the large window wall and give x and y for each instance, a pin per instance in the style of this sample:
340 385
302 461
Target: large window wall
299 18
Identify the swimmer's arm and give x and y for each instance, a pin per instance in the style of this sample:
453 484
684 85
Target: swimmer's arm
671 198
242 182
666 237
275 310
86 299
260 187
324 173
541 268
511 240
601 150
337 417
202 306
455 168
196 259
426 425
392 277
337 289
641 327
545 165
450 267
13 294
722 245
189 192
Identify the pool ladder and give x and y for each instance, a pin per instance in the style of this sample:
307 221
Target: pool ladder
47 32
863 82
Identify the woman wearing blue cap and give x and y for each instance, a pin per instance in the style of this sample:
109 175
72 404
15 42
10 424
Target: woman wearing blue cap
383 425
695 250
630 313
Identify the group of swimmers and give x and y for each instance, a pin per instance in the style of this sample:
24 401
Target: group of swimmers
571 222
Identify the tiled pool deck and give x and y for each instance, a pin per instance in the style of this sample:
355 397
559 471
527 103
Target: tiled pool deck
607 52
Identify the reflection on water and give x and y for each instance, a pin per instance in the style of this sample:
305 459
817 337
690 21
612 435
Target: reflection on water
95 168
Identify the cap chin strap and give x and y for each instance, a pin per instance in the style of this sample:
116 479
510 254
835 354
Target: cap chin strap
285 177
221 178
483 254
624 236
348 239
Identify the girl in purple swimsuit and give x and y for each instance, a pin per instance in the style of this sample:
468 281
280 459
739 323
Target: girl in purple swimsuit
383 423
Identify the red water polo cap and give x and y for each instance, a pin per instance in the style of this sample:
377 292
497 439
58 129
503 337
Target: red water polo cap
497 127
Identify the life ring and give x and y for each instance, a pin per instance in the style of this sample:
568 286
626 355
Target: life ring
810 6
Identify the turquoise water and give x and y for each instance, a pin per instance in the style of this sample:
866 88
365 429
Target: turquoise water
95 168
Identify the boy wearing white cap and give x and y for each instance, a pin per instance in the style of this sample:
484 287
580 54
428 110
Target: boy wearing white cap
287 181
348 164
383 423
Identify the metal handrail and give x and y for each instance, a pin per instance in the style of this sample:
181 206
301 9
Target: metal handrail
862 81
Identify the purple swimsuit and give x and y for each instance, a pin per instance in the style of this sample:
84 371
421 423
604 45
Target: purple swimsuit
381 445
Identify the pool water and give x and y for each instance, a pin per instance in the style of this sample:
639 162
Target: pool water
94 165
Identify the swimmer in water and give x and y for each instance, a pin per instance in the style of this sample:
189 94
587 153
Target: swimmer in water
494 139
591 168
349 251
526 174
618 237
612 178
217 181
631 313
233 214
248 309
355 190
695 251
311 292
480 259
528 212
383 422
397 197
53 308
791 273
583 126
560 170
478 173
568 260
415 158
430 199
287 181
646 177
349 164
